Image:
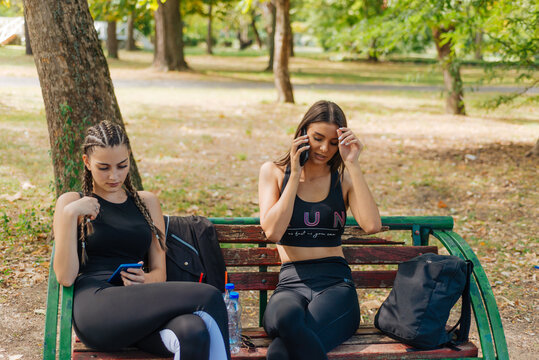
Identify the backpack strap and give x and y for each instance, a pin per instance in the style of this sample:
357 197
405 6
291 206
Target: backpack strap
465 311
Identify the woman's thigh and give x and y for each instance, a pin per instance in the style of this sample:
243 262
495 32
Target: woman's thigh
285 311
334 314
114 317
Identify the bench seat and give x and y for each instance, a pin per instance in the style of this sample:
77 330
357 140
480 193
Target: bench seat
367 343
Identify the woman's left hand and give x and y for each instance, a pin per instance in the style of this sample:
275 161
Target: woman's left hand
349 145
134 276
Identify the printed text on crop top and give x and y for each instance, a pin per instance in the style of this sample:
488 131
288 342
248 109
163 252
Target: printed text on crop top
316 224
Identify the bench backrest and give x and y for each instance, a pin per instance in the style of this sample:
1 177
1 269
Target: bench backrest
358 250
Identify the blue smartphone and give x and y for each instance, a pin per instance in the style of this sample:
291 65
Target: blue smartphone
116 278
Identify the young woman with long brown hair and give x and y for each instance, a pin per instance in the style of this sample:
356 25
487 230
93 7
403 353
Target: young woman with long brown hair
303 209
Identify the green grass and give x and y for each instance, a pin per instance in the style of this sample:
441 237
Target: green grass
305 68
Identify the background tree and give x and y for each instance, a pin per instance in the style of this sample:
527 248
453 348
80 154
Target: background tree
27 39
270 13
282 48
75 82
169 45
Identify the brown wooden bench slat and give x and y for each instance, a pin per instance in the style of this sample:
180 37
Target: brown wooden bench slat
257 332
361 255
373 345
253 234
377 351
268 281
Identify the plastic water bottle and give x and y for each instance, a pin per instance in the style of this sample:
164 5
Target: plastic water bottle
233 308
226 295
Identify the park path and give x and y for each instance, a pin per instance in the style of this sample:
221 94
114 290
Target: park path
14 81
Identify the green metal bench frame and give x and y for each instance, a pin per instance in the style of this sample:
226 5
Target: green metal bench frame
58 332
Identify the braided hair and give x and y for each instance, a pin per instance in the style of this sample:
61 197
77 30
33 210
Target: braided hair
107 134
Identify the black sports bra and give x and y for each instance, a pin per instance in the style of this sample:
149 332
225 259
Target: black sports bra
316 224
121 235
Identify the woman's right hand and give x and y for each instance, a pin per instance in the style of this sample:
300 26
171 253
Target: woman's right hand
295 152
85 206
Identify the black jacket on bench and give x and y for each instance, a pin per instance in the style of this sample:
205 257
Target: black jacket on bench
193 249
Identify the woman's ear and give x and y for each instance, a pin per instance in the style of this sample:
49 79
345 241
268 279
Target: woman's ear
86 161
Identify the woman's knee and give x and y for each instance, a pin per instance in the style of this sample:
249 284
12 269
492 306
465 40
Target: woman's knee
192 333
277 350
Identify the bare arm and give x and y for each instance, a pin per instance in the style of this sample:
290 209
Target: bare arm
357 191
275 211
69 208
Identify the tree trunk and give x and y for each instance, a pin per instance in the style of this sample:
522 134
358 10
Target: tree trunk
130 41
478 45
451 70
27 38
282 46
270 29
243 34
75 83
290 38
169 37
255 30
373 53
209 39
112 41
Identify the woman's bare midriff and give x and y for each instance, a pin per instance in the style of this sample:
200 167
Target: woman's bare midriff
295 253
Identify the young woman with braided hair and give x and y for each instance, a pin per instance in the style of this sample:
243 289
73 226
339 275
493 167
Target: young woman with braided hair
108 224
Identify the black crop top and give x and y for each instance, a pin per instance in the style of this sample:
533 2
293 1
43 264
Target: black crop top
121 235
316 224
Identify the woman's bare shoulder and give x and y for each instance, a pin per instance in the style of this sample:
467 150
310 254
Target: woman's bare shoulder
67 198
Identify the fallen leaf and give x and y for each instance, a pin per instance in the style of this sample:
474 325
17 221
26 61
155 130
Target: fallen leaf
441 204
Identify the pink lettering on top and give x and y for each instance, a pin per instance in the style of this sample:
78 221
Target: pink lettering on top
307 219
339 218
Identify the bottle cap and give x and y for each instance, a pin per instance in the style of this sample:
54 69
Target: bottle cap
234 295
229 286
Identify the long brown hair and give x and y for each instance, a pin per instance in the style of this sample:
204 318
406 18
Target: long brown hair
320 111
107 134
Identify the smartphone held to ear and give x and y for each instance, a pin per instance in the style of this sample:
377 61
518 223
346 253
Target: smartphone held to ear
304 156
116 278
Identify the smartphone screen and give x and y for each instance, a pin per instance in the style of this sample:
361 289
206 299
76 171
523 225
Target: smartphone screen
116 278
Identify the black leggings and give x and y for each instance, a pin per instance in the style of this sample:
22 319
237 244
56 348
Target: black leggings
313 309
109 318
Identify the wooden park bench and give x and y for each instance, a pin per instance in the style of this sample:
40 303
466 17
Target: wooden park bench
248 249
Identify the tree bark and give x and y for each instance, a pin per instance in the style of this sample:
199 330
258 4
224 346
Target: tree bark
372 52
290 38
282 47
168 53
75 83
270 29
27 38
209 40
255 30
112 40
478 41
451 71
130 41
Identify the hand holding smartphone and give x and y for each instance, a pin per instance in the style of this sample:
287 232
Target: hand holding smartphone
304 156
116 278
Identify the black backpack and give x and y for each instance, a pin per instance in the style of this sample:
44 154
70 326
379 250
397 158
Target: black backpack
425 290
